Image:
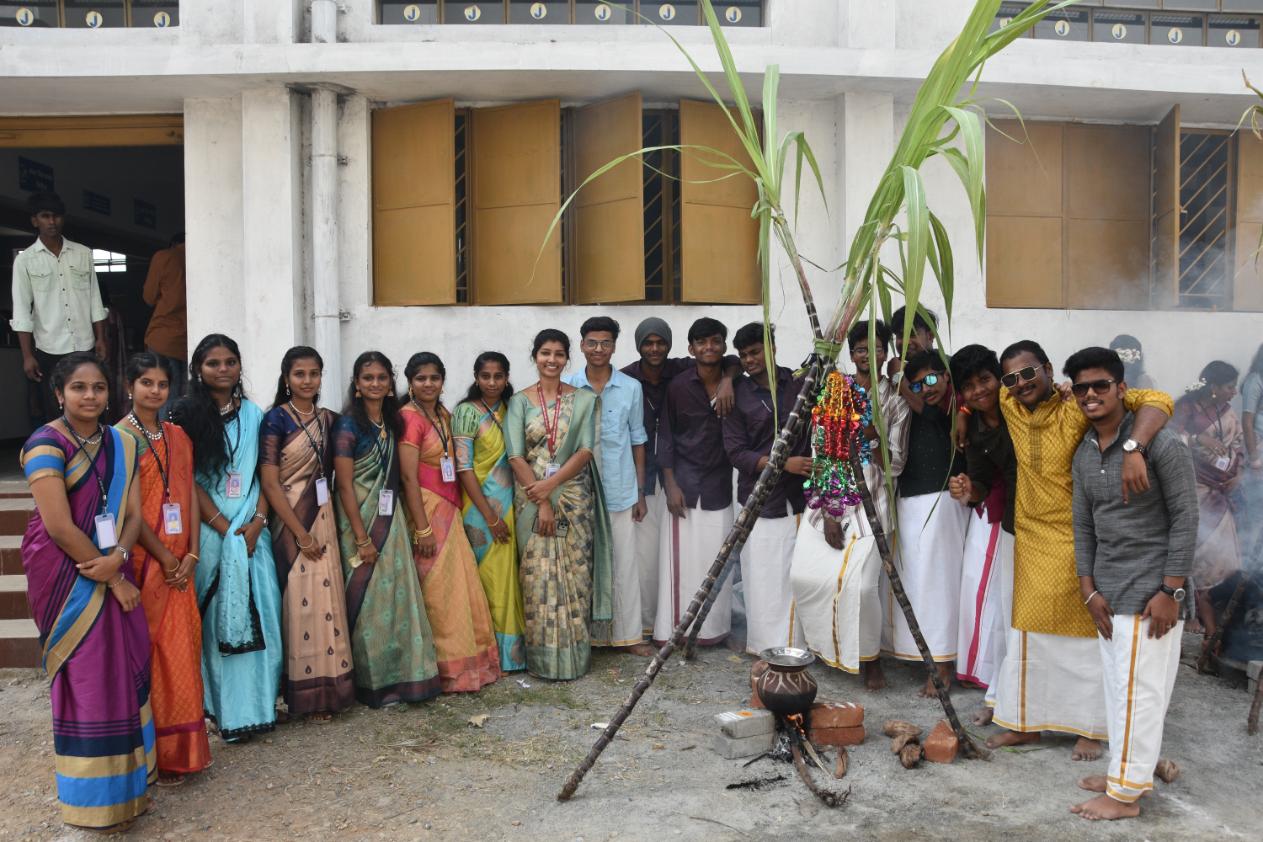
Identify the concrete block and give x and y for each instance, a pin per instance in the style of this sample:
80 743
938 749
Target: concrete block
837 715
941 746
745 723
837 736
733 749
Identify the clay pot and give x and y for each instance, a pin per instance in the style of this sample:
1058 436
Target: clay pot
786 688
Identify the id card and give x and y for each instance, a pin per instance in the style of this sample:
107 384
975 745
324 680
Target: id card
233 487
448 469
1223 463
172 522
550 469
106 536
322 491
386 503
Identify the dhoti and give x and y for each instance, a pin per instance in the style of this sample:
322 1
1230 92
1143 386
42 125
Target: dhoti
930 547
1051 682
986 601
626 627
769 600
685 553
648 534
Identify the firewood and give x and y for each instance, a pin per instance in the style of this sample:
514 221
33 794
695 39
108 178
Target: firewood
895 727
901 740
839 770
910 755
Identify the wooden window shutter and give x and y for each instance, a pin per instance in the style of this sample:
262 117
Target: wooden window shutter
414 204
719 239
1247 284
1164 257
1024 215
516 174
609 211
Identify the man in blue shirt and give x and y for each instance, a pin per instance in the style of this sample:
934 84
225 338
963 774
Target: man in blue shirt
621 451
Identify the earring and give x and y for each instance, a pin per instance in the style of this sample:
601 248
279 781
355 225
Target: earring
288 393
357 393
129 395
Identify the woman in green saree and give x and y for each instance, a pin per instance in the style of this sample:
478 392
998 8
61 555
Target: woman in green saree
562 526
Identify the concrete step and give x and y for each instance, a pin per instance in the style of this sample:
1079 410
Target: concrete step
13 604
14 488
10 554
19 644
14 513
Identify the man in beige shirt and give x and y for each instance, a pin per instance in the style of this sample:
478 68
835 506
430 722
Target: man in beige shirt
167 333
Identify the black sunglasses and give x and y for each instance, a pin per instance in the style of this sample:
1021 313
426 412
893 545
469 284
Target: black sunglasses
1010 380
1101 387
927 380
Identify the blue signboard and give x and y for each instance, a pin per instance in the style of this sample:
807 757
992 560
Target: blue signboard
34 176
96 202
145 214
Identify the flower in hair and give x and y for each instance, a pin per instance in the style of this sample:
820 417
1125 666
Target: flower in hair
1129 356
1198 386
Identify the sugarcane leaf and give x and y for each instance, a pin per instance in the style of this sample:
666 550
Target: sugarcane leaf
971 132
945 270
735 85
918 233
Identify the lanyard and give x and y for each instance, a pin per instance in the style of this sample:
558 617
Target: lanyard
1216 419
494 419
318 449
437 423
153 448
377 440
233 445
550 430
83 446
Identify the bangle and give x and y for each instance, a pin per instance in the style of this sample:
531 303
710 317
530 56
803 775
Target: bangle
493 525
116 582
309 545
418 534
364 543
218 515
196 557
1089 599
260 516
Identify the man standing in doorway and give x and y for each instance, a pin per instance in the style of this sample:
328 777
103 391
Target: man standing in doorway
167 332
621 452
1132 553
654 371
57 306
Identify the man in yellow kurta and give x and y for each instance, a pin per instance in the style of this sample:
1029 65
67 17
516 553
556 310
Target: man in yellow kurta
1051 678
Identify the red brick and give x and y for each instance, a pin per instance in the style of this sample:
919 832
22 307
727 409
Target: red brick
837 715
837 736
941 746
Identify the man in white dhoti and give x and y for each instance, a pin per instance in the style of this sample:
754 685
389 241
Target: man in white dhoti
931 533
698 480
749 432
621 450
1132 554
988 486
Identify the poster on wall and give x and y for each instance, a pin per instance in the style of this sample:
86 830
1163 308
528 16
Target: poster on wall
144 214
96 202
33 176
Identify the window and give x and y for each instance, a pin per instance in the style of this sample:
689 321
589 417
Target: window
463 199
1179 23
108 261
90 14
588 12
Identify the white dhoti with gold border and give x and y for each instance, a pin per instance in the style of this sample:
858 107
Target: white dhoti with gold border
648 535
769 601
1051 682
931 544
687 549
986 610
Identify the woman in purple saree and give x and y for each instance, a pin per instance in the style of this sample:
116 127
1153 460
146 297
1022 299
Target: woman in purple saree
84 598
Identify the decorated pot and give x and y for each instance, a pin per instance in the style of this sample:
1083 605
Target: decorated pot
786 688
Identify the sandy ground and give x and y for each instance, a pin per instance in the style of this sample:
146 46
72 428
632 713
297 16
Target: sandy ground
425 773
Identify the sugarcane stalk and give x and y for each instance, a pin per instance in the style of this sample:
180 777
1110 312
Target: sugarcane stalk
736 537
1252 721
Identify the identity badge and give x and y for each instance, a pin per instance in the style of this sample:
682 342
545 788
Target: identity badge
233 489
449 469
551 469
386 503
106 535
322 491
172 522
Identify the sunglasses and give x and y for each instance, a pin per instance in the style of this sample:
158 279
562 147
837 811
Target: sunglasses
924 382
1010 380
1101 387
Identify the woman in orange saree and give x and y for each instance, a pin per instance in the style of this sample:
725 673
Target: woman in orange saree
164 560
464 637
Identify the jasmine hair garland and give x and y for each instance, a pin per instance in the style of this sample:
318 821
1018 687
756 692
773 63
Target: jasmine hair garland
842 412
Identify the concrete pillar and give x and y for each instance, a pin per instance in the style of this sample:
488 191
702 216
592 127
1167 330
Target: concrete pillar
273 21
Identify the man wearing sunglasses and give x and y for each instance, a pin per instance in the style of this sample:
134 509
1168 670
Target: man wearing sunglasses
932 524
1132 558
1051 676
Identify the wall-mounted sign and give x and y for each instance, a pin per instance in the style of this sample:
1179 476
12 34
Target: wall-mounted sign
93 19
96 202
732 14
539 11
34 177
1175 35
145 214
24 16
412 13
1062 28
1118 31
666 11
1232 37
162 19
472 13
601 12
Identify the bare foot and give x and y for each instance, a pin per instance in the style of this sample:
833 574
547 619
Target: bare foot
1093 783
983 715
945 672
170 779
1085 749
321 716
1166 771
642 650
1104 808
734 645
874 675
1012 738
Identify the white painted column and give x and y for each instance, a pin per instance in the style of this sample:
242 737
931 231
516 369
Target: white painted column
326 333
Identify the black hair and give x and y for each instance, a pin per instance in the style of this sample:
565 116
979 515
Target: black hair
1027 346
198 414
45 200
1131 371
293 355
1094 357
920 362
354 406
751 334
550 334
475 391
706 327
139 363
598 324
415 363
1220 373
859 333
1256 365
919 321
971 360
68 364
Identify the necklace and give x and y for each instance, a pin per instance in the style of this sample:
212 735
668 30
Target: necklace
227 408
135 422
93 440
298 411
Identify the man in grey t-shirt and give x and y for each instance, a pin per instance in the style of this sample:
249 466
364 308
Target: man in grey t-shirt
1132 554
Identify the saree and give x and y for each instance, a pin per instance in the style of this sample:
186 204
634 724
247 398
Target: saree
567 578
480 448
95 653
318 674
464 637
391 641
1217 554
238 595
175 628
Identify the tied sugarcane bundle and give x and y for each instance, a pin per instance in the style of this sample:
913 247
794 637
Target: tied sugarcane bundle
842 413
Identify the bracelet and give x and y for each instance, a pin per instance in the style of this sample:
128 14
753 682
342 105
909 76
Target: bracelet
218 515
116 582
1089 599
364 543
493 525
196 557
309 546
260 516
418 534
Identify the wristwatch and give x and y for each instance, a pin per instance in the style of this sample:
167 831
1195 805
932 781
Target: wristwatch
126 553
1177 594
1133 446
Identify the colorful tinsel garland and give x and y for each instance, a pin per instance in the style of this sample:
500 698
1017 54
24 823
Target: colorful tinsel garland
838 420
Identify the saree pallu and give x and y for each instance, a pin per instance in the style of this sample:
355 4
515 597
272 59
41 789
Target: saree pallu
566 578
238 596
318 672
480 448
391 639
175 627
96 654
464 636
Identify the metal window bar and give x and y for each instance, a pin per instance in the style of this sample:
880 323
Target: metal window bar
1205 220
481 12
462 206
662 208
86 14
